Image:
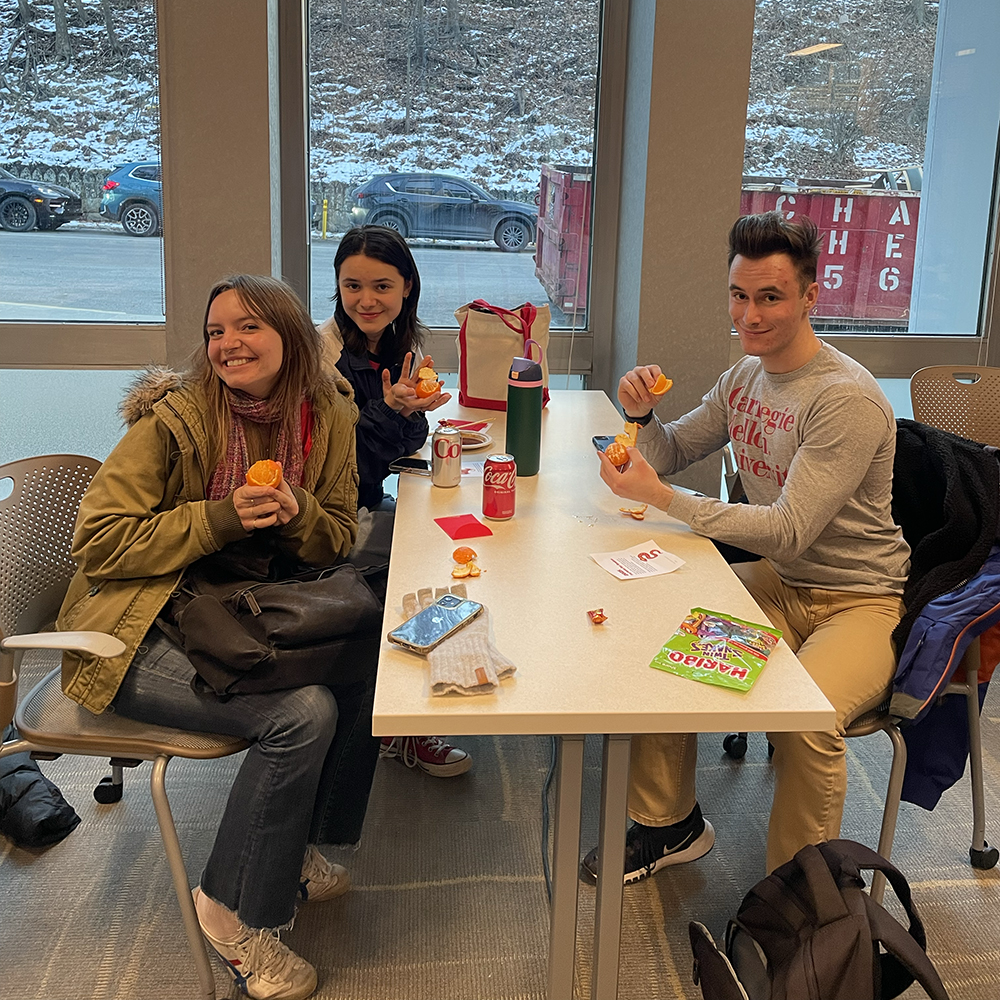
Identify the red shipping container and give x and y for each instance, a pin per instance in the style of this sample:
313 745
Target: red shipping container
869 244
562 248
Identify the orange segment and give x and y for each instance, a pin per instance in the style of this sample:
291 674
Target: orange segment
463 554
264 473
661 385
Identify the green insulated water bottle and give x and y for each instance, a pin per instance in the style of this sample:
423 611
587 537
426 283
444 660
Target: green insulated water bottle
524 413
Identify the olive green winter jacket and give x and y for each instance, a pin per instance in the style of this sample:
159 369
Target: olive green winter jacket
145 518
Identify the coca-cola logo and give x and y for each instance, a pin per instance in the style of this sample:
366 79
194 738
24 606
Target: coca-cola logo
444 449
502 478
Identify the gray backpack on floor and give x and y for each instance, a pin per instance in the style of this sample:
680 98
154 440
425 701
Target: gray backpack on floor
809 931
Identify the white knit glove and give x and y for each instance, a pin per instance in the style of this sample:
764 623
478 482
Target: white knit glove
467 662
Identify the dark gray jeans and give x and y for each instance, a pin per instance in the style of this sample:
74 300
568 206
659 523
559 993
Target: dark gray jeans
305 778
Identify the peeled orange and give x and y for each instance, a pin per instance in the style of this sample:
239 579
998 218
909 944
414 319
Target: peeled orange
617 453
264 473
427 387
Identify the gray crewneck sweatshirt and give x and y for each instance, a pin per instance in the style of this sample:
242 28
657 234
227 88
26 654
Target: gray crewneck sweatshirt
814 448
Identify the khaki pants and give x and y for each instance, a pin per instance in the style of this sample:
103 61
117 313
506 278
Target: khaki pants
843 641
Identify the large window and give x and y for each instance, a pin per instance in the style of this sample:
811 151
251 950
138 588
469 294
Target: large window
879 120
79 162
469 127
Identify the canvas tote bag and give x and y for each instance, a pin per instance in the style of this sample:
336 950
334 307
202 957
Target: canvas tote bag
488 339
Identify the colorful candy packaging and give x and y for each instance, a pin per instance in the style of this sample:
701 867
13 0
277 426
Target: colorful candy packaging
717 649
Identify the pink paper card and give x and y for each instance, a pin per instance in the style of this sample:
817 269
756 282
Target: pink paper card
463 526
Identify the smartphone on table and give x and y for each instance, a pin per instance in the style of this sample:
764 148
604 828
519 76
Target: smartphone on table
433 624
415 466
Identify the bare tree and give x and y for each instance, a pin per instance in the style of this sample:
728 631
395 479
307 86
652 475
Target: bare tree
454 25
109 26
420 42
64 51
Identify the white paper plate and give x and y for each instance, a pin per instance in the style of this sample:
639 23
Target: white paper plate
475 440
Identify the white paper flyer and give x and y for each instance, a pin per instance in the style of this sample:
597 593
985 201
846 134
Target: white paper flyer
647 559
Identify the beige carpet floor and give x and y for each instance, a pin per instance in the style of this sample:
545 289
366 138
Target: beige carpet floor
449 898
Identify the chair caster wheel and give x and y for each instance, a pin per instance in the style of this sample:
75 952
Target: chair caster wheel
984 859
735 745
107 792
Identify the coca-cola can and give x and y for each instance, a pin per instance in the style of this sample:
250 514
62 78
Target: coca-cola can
446 457
499 479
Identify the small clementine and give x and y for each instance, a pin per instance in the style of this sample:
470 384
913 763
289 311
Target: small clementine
264 473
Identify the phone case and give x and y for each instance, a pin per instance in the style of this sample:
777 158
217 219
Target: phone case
433 624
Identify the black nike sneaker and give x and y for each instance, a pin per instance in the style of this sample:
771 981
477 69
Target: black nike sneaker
650 848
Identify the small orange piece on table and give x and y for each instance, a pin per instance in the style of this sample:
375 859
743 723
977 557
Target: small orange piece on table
639 513
463 554
264 473
597 616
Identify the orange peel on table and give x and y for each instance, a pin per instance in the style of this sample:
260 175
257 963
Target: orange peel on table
466 559
264 473
661 385
639 513
597 616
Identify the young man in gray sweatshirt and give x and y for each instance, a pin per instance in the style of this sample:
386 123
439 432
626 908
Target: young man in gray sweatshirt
814 438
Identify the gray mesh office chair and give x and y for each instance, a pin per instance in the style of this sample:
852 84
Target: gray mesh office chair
36 531
966 401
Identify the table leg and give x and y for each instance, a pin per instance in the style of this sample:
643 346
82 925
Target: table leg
565 867
611 862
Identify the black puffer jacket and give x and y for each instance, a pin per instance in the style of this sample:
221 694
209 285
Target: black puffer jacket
383 434
33 812
946 499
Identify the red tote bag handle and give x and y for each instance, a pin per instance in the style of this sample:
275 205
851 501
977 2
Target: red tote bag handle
519 320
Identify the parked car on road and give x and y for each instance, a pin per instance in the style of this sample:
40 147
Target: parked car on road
131 195
440 206
26 204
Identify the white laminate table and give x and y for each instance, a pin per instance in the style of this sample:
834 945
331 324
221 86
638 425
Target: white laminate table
574 677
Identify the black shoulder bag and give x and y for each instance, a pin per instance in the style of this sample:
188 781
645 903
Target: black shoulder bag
250 622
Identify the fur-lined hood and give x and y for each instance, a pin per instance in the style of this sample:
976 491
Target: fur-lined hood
147 390
155 382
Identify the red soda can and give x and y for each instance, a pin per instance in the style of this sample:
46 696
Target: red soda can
446 457
499 478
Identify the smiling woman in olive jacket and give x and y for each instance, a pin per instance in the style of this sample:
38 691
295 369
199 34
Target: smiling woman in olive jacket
173 492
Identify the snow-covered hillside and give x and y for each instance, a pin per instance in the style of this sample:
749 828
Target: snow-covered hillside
489 89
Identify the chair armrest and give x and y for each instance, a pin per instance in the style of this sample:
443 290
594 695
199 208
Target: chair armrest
95 643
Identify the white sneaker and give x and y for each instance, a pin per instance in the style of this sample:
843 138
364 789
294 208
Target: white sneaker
263 966
321 879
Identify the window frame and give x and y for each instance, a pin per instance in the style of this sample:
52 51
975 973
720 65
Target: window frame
279 230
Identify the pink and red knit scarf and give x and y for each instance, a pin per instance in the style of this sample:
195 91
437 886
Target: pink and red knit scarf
231 471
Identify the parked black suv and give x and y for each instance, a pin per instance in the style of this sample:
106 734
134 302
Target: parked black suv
26 204
440 206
